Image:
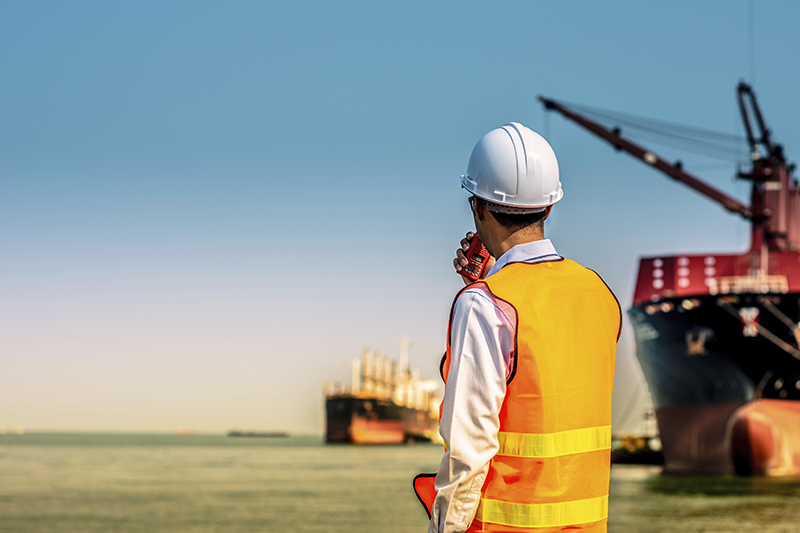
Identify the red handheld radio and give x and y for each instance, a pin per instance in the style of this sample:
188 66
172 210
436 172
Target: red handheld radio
478 256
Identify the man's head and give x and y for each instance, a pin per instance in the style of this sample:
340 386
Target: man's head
513 176
513 221
496 227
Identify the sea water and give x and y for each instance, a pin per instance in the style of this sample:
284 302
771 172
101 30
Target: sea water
85 483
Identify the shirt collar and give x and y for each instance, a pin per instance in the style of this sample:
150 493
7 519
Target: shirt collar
528 252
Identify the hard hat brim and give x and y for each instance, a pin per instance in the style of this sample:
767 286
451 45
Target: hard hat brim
504 207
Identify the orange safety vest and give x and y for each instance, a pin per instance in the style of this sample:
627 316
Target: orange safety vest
551 472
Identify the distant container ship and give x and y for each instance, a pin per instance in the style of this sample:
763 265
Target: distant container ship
257 433
385 404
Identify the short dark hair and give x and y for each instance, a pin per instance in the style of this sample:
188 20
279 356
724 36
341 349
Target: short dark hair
515 222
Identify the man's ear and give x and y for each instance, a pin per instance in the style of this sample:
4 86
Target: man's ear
547 212
481 210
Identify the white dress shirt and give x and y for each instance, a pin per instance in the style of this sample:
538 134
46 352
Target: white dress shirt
481 347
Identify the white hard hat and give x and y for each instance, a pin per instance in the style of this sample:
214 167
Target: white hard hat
514 167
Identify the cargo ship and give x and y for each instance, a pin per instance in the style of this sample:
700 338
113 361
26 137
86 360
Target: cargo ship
717 335
386 403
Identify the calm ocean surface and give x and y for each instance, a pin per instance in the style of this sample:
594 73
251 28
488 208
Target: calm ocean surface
84 483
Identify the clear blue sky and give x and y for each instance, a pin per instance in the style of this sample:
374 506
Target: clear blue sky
208 208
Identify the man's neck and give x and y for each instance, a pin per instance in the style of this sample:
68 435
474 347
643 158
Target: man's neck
500 239
512 239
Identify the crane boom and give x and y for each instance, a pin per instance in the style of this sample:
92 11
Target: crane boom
672 170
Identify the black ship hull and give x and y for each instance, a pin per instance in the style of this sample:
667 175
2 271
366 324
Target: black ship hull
724 375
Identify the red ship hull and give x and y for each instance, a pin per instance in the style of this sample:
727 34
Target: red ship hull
376 431
765 438
757 438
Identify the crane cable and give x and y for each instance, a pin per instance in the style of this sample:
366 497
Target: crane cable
711 143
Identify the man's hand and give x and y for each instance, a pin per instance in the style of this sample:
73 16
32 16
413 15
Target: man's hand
461 259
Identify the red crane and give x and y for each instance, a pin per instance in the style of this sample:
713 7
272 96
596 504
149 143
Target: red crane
774 210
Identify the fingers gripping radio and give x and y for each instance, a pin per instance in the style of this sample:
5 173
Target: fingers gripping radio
478 258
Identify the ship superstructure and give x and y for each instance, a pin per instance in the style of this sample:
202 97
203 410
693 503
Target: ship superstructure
386 403
717 335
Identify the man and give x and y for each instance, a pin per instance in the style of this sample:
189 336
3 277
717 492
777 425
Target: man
529 367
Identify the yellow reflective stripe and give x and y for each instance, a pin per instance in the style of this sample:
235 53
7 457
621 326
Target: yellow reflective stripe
554 444
543 514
